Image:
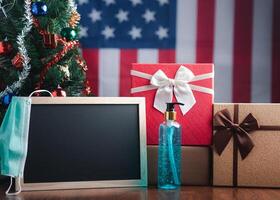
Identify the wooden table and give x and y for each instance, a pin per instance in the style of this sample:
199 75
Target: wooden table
188 193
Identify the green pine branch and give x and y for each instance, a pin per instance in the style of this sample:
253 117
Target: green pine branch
56 19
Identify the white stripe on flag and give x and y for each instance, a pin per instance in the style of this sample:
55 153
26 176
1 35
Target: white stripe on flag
261 55
223 50
186 31
109 61
147 56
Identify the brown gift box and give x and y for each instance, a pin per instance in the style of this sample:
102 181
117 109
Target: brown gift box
196 165
259 144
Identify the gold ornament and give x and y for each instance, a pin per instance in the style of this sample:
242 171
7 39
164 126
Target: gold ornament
74 19
65 70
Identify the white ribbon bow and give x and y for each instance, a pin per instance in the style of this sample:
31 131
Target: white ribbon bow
179 85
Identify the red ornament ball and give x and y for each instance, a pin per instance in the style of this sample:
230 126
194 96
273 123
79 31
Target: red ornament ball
5 47
59 92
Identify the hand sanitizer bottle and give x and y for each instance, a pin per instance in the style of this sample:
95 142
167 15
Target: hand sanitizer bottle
169 152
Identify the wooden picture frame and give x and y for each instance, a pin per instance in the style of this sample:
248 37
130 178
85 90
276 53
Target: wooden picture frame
142 182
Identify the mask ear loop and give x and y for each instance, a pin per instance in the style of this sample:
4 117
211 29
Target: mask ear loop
11 183
40 91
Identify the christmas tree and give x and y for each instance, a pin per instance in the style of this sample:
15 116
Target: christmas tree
39 49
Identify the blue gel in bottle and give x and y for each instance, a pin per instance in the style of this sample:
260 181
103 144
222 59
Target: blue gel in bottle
169 152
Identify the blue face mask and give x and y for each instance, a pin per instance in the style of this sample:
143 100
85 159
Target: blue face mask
14 138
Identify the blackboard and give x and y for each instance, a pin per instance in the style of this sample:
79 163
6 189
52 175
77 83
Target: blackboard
85 142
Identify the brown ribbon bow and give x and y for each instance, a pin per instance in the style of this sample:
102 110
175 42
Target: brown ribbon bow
226 128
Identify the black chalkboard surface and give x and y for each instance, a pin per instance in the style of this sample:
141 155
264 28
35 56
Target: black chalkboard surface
96 142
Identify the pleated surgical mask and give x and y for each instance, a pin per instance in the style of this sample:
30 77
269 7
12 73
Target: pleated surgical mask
14 139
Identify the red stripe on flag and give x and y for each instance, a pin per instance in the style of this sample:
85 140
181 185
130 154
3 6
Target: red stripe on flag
127 56
166 56
92 58
276 53
205 31
242 50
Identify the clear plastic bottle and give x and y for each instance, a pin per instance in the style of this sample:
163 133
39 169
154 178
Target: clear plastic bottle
169 152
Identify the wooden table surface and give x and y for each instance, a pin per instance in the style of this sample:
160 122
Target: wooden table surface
188 193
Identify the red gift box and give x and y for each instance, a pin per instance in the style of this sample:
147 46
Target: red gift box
191 84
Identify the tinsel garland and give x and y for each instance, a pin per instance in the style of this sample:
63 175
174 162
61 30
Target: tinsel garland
67 46
82 63
75 16
73 9
74 19
57 57
72 6
27 21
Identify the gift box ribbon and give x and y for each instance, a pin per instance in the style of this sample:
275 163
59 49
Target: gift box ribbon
226 128
180 86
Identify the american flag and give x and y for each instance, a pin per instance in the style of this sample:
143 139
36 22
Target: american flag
241 37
